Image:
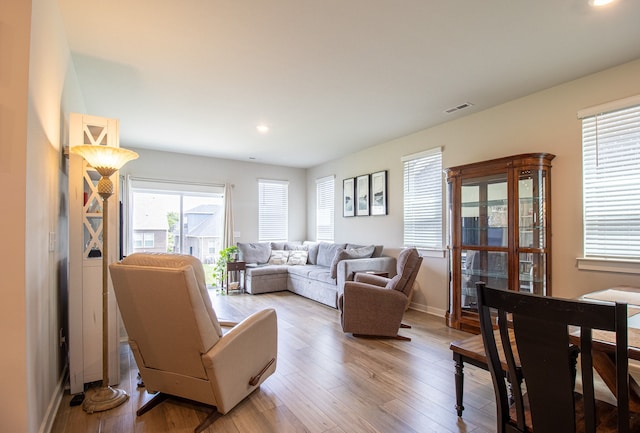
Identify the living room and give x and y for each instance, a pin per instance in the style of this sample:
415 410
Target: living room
42 88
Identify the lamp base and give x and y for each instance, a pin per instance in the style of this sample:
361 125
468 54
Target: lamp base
105 399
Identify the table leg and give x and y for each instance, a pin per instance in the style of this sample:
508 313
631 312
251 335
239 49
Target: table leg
605 365
459 378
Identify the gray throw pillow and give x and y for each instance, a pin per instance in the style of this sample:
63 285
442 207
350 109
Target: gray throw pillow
256 252
352 253
326 252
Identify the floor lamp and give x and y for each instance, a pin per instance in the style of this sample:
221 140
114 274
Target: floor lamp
106 160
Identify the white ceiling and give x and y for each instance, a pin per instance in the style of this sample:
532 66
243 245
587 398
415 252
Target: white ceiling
329 77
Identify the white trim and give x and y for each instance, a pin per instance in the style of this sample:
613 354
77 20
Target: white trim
326 178
54 404
421 154
437 312
282 182
609 106
174 185
609 265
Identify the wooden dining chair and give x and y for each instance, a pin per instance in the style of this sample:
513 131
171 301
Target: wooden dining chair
546 401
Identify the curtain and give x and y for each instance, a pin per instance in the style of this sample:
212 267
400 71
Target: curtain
227 237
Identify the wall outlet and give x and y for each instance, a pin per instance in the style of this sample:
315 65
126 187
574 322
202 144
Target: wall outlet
52 241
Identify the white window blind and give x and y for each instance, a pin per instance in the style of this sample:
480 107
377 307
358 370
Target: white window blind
273 210
611 177
423 199
325 200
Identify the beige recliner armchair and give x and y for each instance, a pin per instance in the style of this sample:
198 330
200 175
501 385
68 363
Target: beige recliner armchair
373 305
177 339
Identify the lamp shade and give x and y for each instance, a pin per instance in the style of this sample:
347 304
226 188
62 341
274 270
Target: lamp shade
106 160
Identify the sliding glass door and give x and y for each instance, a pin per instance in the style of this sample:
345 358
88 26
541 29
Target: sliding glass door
175 218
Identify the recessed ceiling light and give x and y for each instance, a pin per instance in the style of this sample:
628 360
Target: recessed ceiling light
597 3
263 129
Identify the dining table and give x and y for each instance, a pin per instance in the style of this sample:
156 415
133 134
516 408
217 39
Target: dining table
603 345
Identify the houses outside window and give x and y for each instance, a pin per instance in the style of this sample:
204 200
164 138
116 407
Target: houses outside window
610 179
423 199
176 218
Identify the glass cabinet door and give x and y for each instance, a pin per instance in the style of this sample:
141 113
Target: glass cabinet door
532 231
484 223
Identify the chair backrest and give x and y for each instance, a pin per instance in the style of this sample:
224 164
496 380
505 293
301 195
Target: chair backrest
407 267
541 327
166 310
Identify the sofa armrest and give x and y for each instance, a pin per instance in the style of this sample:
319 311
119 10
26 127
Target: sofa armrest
240 355
346 269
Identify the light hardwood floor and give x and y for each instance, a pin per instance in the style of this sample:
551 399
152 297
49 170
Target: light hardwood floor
326 381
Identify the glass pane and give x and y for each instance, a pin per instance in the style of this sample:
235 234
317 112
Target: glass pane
490 267
532 270
156 216
202 222
178 222
484 212
531 209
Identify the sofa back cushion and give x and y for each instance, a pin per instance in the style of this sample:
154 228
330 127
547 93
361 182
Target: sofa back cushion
327 252
312 247
255 252
350 253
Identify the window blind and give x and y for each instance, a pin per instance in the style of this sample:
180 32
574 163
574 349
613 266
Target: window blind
325 202
273 210
423 199
611 177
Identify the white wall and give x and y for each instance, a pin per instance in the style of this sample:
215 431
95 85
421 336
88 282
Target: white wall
243 175
542 122
33 76
15 18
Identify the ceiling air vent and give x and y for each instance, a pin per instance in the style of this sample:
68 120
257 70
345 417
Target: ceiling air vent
458 107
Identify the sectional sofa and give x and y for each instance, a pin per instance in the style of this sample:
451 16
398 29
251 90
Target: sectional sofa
316 271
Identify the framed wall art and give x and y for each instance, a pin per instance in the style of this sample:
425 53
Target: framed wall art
362 195
379 193
348 194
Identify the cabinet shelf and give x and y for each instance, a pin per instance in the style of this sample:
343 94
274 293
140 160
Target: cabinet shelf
500 230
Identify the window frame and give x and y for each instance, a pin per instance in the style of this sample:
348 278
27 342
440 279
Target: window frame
601 132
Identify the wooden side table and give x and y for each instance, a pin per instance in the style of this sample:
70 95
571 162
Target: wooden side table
238 269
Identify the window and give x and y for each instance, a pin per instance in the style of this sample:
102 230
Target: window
610 179
325 200
175 217
273 210
423 199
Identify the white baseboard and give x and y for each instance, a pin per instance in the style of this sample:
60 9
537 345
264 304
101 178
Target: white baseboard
426 309
54 404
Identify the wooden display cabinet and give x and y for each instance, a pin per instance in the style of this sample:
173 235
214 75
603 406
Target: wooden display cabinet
499 219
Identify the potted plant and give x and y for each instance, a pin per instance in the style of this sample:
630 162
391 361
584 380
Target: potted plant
220 269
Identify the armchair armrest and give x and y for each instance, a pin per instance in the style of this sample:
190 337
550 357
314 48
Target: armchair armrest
375 280
248 351
346 269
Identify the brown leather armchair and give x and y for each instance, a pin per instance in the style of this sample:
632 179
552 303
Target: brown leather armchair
177 340
373 305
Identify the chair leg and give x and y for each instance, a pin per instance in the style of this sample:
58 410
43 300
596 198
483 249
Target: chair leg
403 325
210 419
400 337
155 400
